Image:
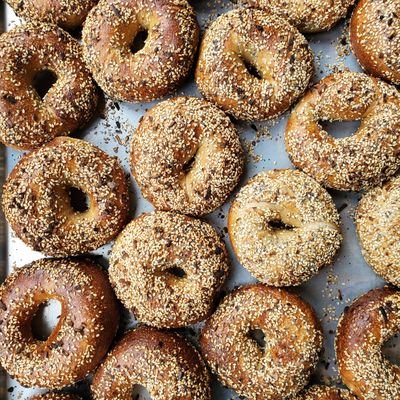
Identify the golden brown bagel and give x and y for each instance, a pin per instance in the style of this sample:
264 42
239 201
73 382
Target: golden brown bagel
319 392
37 201
375 37
155 70
164 363
276 369
55 396
365 159
363 329
244 40
87 324
28 121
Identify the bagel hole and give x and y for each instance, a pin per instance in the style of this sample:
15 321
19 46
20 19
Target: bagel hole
340 129
258 336
78 199
139 392
278 224
46 319
139 41
189 165
43 81
177 272
251 69
390 349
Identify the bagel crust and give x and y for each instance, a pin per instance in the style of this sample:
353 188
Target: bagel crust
28 121
82 336
375 37
68 14
145 261
363 160
363 329
284 227
308 16
319 392
155 70
186 156
242 40
55 396
164 363
292 342
377 221
37 204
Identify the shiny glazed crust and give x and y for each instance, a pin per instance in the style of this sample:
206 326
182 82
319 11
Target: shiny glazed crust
86 327
284 227
363 329
37 205
168 269
26 120
268 43
68 14
164 363
319 392
375 37
360 161
307 15
293 340
186 156
160 66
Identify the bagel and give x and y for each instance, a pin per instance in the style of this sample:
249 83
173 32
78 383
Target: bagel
284 227
253 65
319 392
28 120
168 269
87 324
37 198
276 369
55 396
186 156
164 363
155 70
375 37
362 331
365 159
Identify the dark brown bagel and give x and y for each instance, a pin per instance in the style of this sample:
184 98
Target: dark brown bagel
244 40
363 329
26 120
55 396
155 70
186 156
319 392
69 14
375 37
365 159
164 363
307 15
282 366
87 324
37 204
168 269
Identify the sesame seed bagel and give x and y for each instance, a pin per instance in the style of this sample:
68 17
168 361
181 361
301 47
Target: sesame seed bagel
83 334
363 329
168 269
164 363
69 14
37 198
356 162
155 70
307 15
375 37
55 396
186 156
253 65
27 120
377 221
284 227
276 369
319 392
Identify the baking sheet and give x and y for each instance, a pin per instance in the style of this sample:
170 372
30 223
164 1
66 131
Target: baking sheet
329 292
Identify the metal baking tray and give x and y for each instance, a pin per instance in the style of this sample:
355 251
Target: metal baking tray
329 292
